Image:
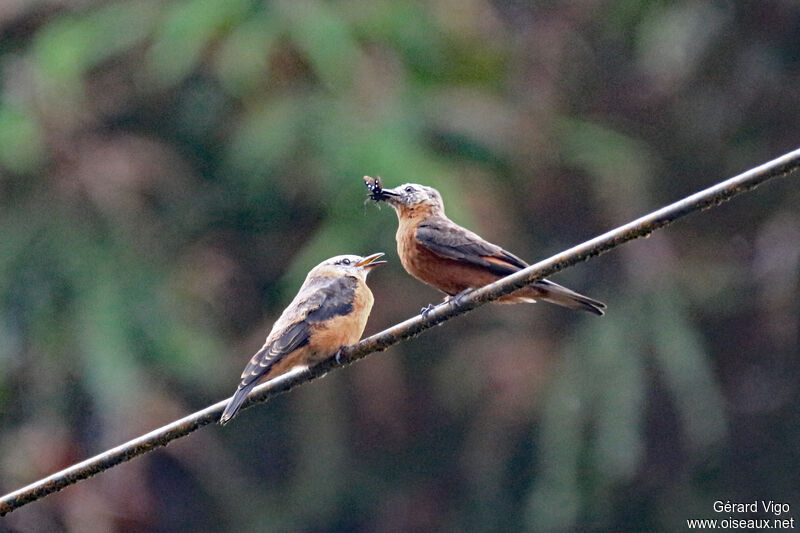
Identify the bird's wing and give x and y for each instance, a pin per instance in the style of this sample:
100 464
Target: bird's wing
281 342
451 241
295 336
322 299
319 299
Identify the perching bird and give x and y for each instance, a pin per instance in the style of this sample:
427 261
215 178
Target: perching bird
439 252
329 312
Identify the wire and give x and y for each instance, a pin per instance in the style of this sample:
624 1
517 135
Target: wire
640 227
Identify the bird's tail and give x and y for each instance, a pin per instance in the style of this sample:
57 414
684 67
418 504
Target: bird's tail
236 402
555 293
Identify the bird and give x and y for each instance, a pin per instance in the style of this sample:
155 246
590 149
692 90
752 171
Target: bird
330 311
455 260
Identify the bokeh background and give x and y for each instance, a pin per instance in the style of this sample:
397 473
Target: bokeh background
169 171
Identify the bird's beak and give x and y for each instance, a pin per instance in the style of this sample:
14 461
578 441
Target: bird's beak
377 192
371 261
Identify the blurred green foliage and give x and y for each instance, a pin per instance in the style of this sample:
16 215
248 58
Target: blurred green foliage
169 172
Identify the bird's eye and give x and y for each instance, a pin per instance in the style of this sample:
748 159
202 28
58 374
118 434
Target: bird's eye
345 261
409 189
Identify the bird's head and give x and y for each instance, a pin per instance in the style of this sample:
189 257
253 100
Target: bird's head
407 199
348 265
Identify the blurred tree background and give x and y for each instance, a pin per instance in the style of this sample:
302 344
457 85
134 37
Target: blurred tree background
169 171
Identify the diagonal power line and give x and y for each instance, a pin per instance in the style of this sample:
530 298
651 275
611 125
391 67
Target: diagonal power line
640 227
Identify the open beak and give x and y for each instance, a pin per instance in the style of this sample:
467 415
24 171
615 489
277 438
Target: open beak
376 190
371 261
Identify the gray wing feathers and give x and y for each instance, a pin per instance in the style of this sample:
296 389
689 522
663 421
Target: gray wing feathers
320 300
323 299
460 244
451 241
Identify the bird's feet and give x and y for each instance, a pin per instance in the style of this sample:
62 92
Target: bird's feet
425 311
338 357
458 298
451 300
